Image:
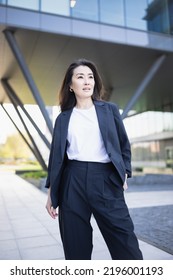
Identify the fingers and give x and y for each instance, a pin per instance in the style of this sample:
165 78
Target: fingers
52 212
125 186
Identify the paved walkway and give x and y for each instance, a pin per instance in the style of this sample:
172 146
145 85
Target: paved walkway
28 233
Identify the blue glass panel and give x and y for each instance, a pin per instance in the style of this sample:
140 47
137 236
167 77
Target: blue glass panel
171 16
157 16
112 12
135 13
86 10
31 5
3 1
56 7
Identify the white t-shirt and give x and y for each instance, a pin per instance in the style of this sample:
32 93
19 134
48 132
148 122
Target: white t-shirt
85 141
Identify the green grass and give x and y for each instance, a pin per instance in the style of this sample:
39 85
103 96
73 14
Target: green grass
34 174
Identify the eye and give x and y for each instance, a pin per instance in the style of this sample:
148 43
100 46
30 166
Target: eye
80 77
91 77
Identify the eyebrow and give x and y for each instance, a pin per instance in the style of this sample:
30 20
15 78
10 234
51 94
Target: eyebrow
83 74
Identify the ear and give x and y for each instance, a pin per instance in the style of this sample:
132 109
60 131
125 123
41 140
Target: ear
71 89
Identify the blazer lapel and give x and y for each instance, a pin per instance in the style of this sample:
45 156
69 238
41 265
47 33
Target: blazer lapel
102 119
64 129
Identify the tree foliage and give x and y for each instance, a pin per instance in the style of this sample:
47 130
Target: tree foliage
15 148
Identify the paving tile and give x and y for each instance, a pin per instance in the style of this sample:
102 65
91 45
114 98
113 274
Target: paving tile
152 253
5 225
37 241
20 224
5 235
27 231
10 255
6 245
43 253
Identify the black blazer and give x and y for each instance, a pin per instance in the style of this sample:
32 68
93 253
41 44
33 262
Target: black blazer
114 136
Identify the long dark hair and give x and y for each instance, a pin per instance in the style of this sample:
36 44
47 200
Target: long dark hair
67 99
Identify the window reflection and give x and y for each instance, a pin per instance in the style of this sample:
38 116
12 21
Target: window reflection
56 7
157 16
32 4
152 122
135 12
170 8
86 10
112 12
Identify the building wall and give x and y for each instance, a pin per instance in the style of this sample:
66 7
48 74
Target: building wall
122 21
151 136
153 15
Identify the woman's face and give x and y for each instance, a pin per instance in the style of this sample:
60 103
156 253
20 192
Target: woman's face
82 82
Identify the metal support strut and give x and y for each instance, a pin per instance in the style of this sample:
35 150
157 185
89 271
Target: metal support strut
24 138
154 68
19 102
23 66
34 149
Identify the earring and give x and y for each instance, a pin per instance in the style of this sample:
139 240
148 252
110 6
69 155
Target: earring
71 89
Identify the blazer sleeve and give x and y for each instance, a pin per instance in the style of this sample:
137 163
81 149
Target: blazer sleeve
123 140
47 184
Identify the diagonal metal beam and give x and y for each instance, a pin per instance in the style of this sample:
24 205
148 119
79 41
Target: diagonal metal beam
24 138
25 70
36 150
150 74
19 102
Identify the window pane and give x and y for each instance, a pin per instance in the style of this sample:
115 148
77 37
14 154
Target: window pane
86 10
3 1
135 13
112 12
58 7
157 17
32 4
171 16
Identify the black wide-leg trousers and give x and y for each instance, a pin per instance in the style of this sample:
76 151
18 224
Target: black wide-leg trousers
95 188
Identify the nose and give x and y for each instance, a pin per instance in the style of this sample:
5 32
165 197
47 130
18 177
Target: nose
86 81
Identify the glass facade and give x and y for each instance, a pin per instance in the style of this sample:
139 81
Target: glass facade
157 16
151 136
112 12
152 15
153 154
31 5
55 7
152 122
86 10
135 12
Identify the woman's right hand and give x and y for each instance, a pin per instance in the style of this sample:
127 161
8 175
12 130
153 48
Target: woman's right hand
52 212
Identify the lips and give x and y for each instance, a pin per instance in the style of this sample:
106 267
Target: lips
87 88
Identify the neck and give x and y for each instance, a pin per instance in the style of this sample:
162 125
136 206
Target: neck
84 104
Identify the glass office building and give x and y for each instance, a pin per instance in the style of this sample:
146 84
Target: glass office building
152 15
151 139
131 34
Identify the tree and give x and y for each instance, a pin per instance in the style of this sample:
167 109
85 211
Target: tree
15 148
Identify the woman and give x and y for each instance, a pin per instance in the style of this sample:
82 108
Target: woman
89 163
